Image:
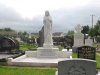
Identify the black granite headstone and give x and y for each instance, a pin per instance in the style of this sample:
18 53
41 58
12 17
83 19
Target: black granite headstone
8 44
87 52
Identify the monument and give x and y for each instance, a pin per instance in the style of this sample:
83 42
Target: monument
78 37
47 50
48 42
88 42
48 55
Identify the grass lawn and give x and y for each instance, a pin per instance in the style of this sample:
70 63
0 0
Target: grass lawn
8 70
5 70
98 52
25 46
74 55
98 61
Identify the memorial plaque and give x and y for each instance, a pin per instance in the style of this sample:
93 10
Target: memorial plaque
87 52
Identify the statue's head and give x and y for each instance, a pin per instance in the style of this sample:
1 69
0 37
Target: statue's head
47 13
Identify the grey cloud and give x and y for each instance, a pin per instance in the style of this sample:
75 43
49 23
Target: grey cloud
10 18
8 14
69 18
63 19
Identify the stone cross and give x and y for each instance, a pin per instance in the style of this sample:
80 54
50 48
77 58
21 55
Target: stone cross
78 28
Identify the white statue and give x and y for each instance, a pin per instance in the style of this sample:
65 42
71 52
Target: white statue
47 21
78 28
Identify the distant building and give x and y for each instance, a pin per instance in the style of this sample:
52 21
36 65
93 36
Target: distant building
58 38
58 34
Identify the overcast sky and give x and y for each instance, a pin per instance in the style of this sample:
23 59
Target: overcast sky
27 15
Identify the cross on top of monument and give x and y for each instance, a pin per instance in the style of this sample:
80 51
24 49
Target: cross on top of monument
78 28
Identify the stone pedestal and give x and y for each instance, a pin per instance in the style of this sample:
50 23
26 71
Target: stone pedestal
88 42
78 41
43 52
47 46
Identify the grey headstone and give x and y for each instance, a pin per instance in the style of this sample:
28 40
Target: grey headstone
77 67
89 42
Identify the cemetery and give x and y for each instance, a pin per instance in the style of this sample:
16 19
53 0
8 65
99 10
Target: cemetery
78 56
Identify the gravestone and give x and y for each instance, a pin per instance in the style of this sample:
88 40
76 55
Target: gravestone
8 44
87 52
41 37
89 42
77 67
78 37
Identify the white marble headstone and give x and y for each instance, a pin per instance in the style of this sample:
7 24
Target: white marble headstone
78 36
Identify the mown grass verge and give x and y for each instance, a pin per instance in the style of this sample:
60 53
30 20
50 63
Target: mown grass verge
6 70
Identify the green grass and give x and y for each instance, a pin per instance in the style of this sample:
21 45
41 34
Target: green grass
98 52
96 46
98 61
74 55
60 47
25 46
8 70
26 71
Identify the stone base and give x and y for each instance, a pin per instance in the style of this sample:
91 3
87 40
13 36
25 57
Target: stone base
43 52
46 57
78 39
60 54
47 45
35 62
74 48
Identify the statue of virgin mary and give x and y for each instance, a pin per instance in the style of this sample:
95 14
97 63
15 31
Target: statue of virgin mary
47 21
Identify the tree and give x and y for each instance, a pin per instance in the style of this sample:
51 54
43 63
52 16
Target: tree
94 32
8 29
25 33
85 29
70 33
97 28
69 38
91 32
